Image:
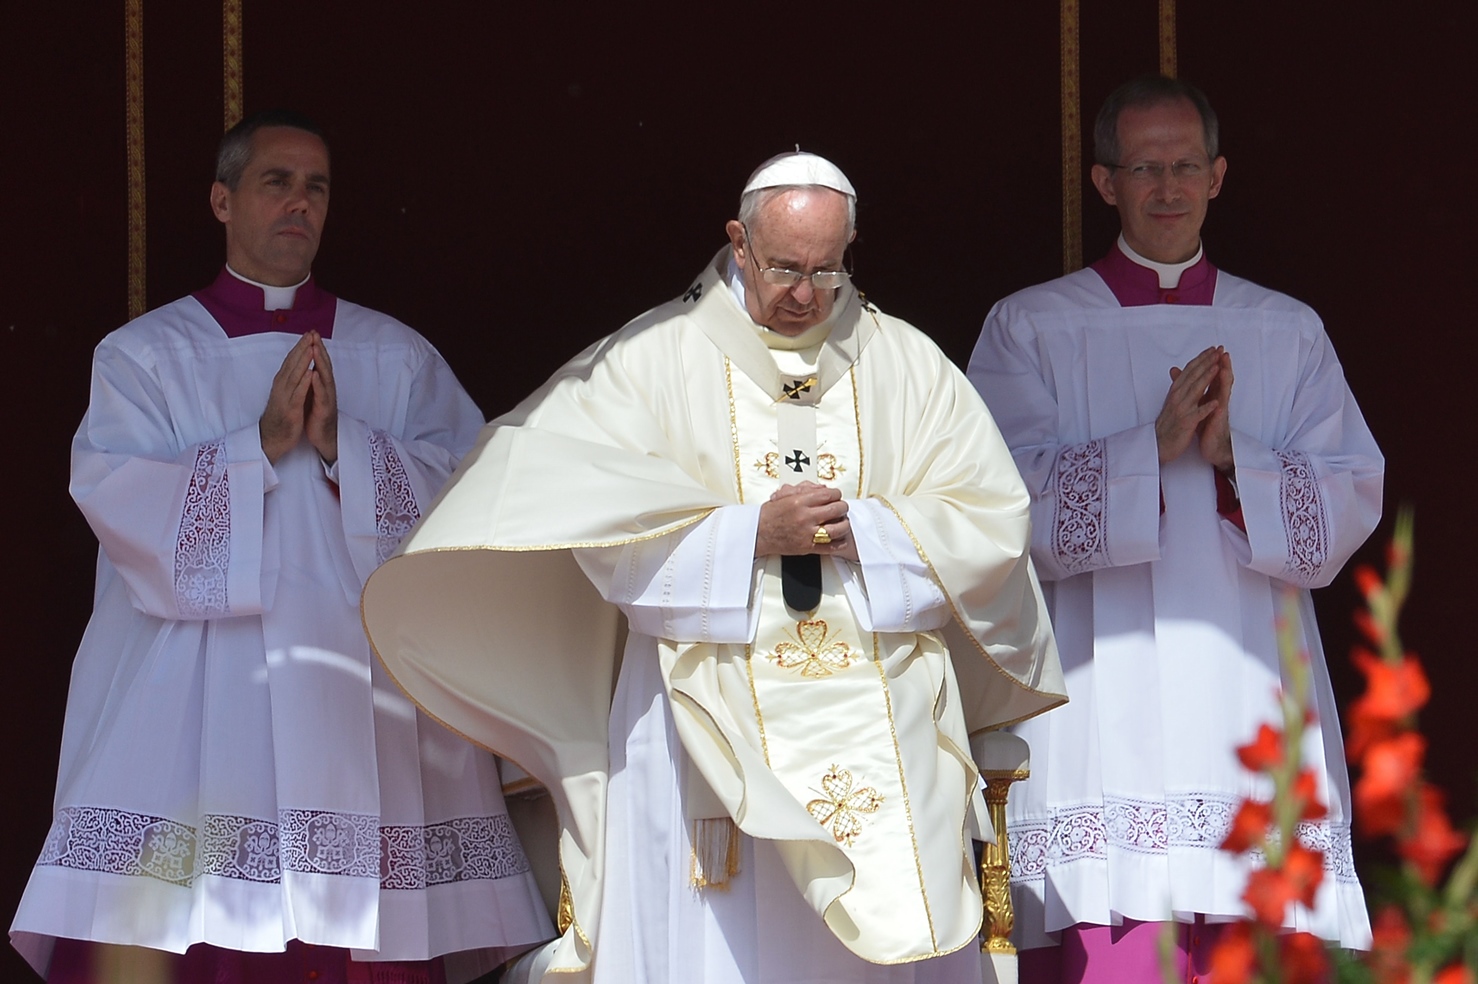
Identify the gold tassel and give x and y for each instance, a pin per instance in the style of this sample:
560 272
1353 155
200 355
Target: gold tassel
715 853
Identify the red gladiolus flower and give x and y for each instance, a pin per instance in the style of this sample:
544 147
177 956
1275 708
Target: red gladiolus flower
1394 689
1305 870
1270 890
1249 826
1234 956
1367 729
1264 752
1304 959
1392 769
1455 974
1307 790
1432 842
1368 581
1370 628
1268 893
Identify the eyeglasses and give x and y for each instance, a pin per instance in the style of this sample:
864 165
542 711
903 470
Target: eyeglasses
1154 171
781 277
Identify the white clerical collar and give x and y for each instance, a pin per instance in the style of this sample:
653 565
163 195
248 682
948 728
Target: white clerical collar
273 298
1169 272
813 335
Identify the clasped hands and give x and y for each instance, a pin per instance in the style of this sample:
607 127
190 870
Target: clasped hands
1197 410
789 522
302 403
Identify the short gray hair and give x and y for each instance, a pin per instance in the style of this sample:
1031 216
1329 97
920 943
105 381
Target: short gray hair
234 153
753 202
1142 93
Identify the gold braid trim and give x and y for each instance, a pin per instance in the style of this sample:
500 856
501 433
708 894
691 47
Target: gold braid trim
1167 39
231 60
1072 142
133 100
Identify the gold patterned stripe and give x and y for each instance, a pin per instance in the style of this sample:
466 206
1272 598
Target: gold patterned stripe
903 782
734 429
857 417
231 60
1072 142
1167 39
133 86
754 695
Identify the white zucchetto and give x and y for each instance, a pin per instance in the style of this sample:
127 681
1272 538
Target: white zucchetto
799 168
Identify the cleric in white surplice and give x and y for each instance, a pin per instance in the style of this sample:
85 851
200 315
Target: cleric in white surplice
685 472
236 770
1193 454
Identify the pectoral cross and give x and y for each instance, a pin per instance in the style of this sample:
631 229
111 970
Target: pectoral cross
793 391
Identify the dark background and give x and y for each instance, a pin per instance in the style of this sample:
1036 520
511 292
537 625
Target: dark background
517 183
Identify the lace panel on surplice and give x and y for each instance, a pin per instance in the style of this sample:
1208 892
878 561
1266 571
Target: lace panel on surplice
395 500
203 547
1079 537
1188 821
312 841
1304 522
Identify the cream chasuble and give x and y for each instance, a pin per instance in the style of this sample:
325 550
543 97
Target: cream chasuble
845 747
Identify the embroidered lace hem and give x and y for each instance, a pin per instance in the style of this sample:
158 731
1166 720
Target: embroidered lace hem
403 857
1090 832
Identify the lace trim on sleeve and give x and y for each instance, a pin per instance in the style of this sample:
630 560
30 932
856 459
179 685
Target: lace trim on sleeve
203 548
395 500
1304 522
1078 534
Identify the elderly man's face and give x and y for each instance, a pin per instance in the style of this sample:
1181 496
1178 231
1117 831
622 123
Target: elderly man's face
1161 210
275 216
803 230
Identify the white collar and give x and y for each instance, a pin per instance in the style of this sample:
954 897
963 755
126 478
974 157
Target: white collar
273 298
1169 272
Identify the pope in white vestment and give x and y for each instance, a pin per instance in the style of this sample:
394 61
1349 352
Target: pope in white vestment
747 792
1166 579
236 769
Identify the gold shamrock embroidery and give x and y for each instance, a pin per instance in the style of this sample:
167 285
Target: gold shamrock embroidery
811 652
841 809
827 467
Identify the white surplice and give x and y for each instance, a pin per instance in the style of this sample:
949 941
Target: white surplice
644 462
235 767
1165 615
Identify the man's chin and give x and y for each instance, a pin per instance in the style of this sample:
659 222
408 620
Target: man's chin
791 327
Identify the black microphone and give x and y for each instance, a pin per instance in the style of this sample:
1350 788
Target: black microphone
800 581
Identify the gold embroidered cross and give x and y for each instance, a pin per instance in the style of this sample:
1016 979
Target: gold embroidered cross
827 467
811 652
842 808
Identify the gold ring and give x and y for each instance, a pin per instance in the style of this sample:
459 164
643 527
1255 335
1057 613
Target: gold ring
821 538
